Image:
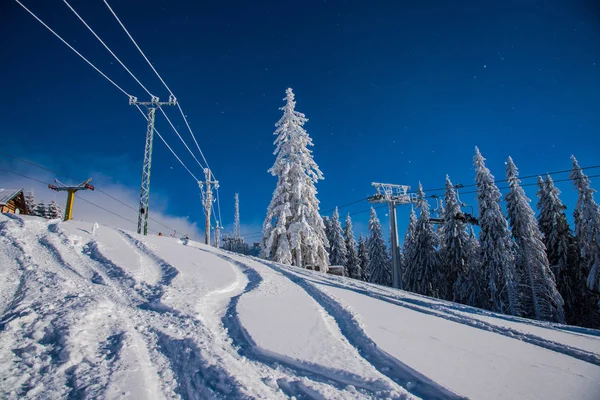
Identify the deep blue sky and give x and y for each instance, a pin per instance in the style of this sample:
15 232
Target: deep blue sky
396 91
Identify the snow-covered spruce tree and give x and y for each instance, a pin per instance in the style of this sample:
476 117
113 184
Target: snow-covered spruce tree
293 231
497 249
423 273
561 248
328 235
472 291
54 210
540 298
454 247
353 262
30 202
587 226
40 210
363 256
338 255
409 248
380 267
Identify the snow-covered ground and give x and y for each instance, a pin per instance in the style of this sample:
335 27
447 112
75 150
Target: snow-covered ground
117 315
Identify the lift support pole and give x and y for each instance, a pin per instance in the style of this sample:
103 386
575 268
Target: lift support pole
71 190
393 195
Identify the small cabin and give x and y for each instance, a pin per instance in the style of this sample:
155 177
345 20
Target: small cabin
13 201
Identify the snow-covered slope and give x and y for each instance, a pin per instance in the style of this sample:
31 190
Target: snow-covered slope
117 315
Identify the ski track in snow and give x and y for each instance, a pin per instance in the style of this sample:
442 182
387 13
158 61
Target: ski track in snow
413 381
427 307
248 348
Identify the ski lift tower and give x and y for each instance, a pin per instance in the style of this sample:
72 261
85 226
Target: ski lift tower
71 190
393 195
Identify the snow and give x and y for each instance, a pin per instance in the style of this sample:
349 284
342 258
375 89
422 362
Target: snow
118 315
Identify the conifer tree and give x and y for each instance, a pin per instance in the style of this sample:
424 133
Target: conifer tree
454 247
328 235
293 231
338 254
30 202
54 210
353 262
497 250
409 248
540 298
423 273
40 210
473 291
363 256
380 268
587 227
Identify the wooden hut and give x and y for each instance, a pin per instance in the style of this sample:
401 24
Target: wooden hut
13 201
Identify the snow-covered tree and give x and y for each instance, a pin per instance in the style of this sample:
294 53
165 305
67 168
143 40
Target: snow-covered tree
338 255
472 291
30 202
380 267
40 210
293 231
423 273
561 248
54 210
540 298
353 262
363 256
328 235
497 249
454 246
587 226
409 248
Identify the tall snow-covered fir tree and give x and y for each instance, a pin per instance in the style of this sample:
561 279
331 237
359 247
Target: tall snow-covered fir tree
54 210
473 291
409 248
338 255
380 267
353 262
540 298
497 250
423 273
454 247
30 202
587 226
293 231
562 252
363 256
328 235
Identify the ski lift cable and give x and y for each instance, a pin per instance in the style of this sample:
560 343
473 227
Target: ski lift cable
159 77
108 48
73 49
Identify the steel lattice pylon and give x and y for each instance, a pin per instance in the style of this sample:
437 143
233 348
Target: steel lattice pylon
152 105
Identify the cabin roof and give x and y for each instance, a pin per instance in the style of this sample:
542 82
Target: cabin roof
7 195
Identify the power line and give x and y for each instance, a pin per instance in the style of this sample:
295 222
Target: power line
345 205
179 136
161 79
169 147
107 48
72 48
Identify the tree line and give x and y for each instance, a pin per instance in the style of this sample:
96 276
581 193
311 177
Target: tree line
518 264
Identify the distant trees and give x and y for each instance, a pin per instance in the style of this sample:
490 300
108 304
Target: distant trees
365 262
54 210
338 255
293 231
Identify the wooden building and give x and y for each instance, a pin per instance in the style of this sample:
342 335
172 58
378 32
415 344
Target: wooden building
13 201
